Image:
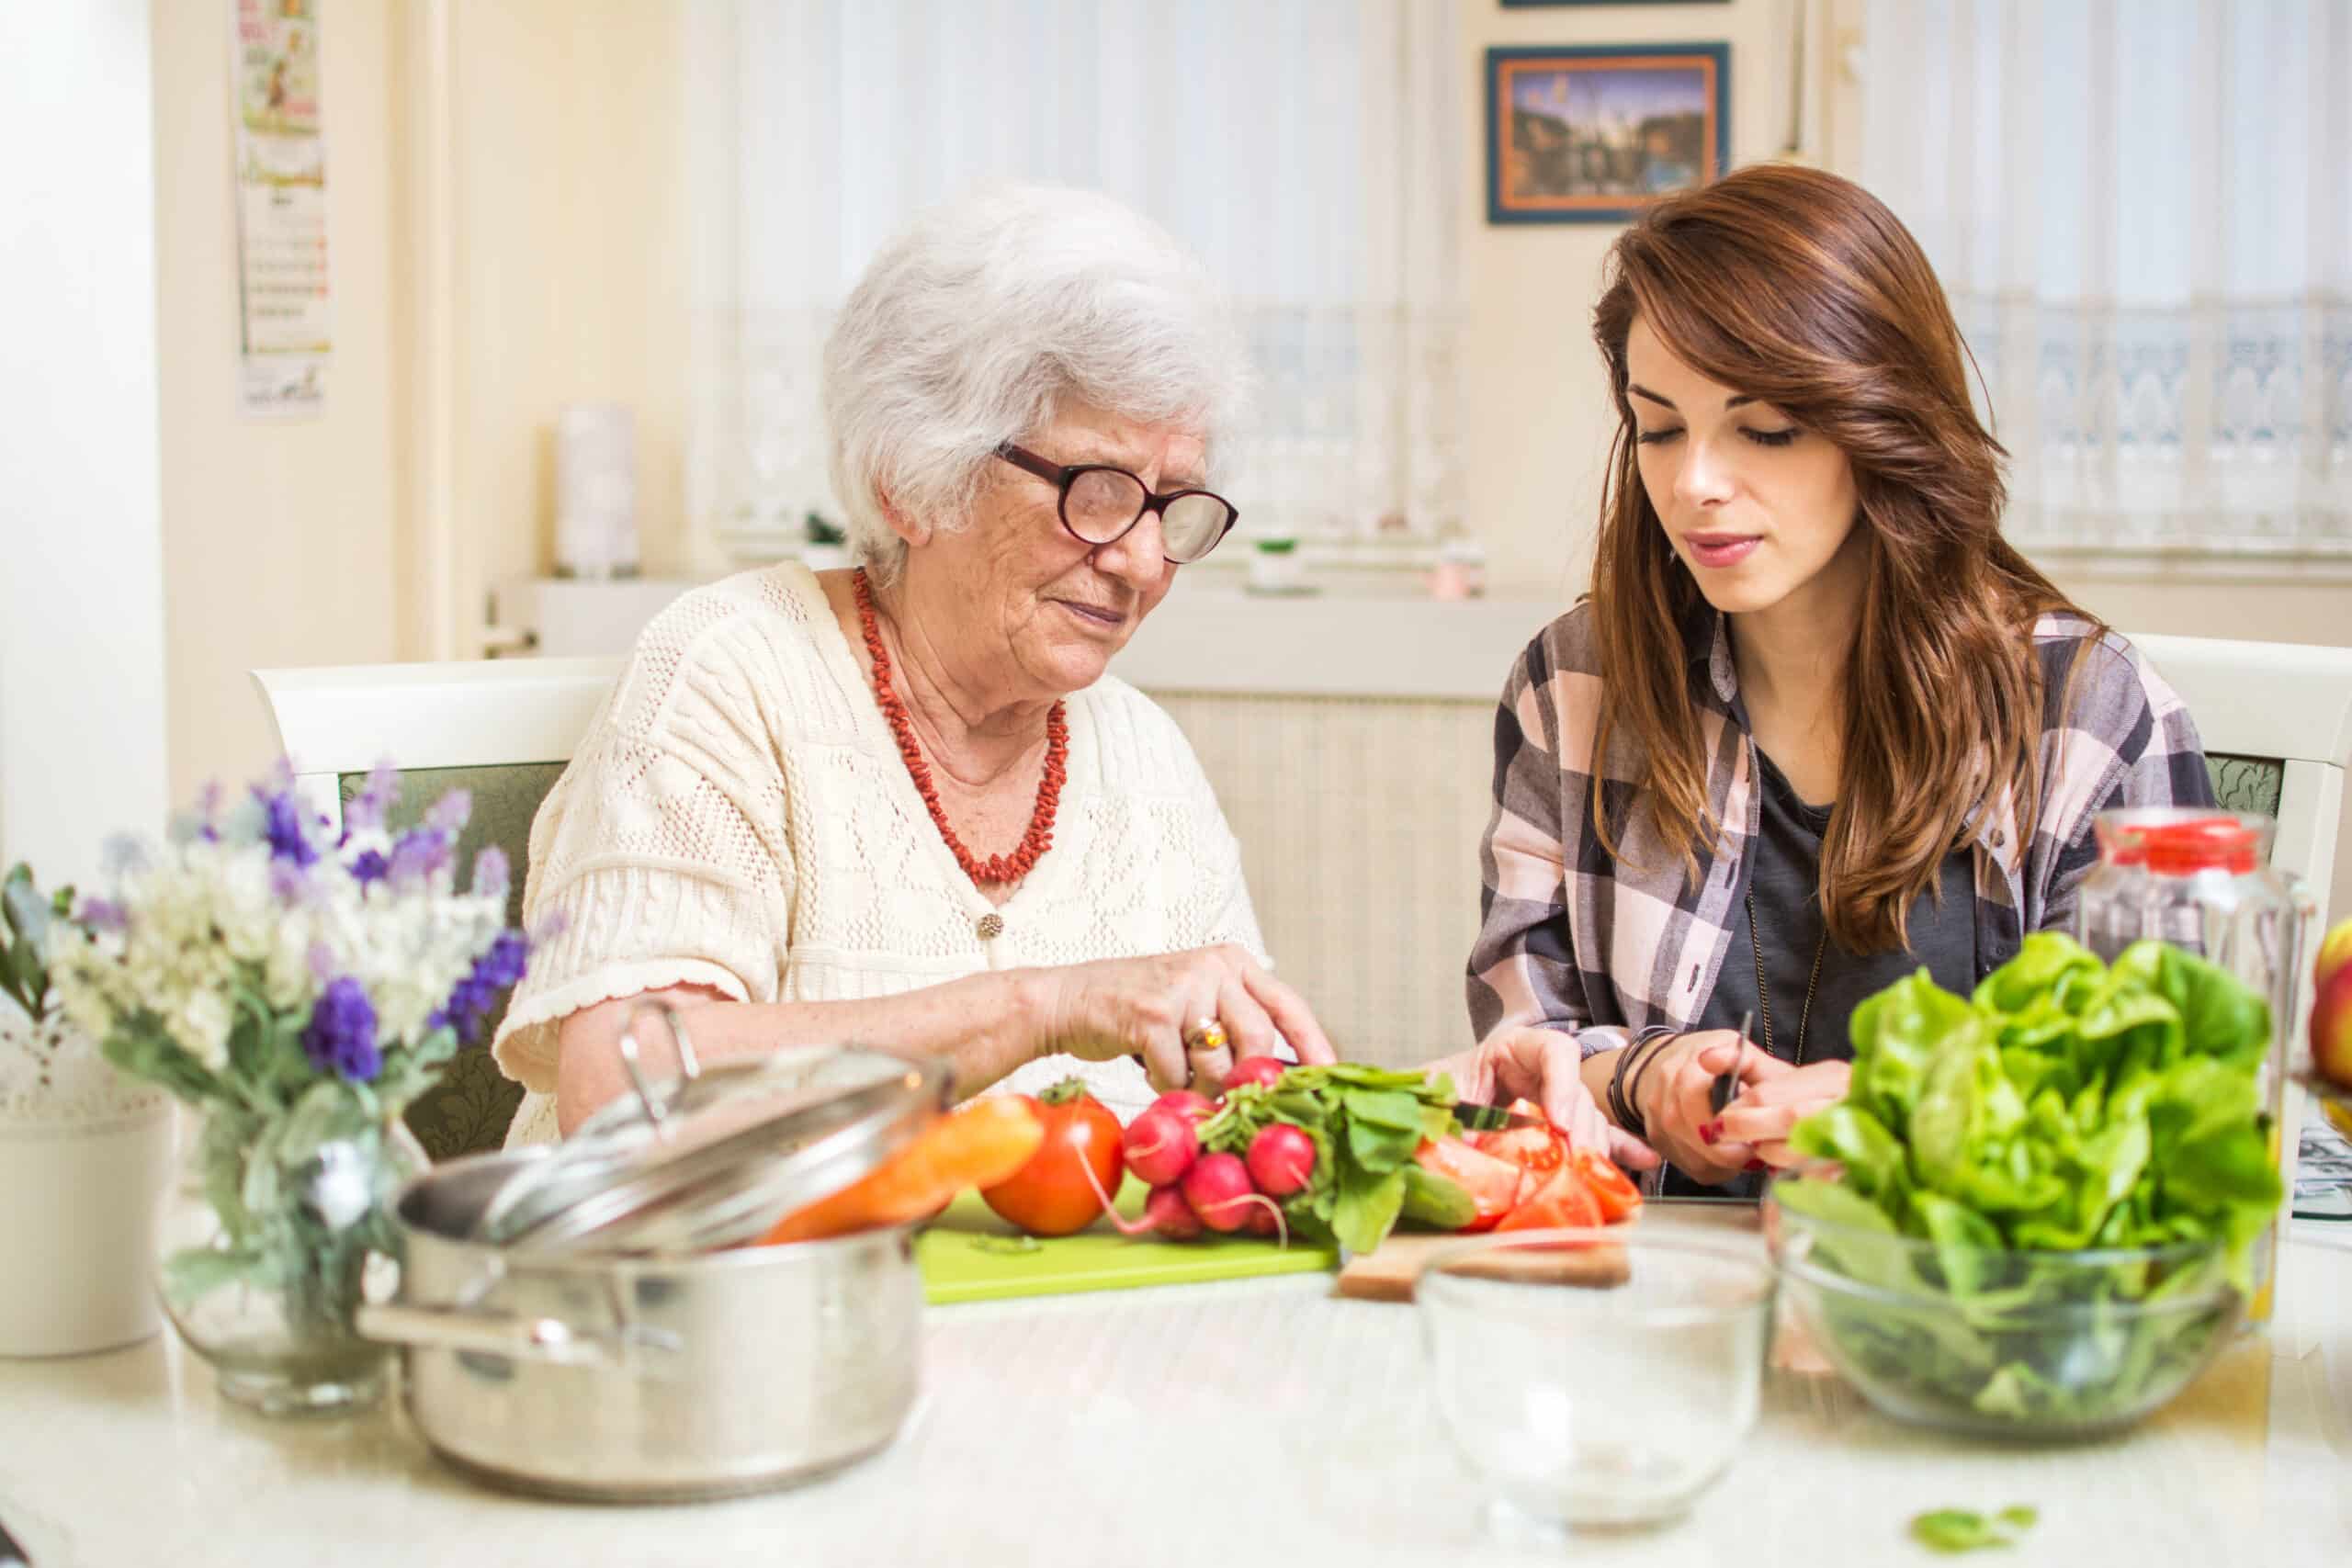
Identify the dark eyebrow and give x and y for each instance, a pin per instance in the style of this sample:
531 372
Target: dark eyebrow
1734 400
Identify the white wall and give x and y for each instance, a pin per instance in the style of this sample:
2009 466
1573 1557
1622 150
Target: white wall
81 596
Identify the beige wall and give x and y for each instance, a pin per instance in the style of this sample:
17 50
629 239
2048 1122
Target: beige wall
558 210
1535 417
278 537
570 262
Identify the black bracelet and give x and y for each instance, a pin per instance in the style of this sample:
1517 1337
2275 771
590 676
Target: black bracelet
1634 1082
1622 1103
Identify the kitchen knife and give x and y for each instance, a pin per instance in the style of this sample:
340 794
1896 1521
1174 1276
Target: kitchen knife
1477 1118
11 1555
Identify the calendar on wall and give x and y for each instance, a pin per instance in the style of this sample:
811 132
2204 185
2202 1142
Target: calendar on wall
285 317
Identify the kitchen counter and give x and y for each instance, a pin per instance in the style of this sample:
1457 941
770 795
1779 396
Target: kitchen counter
1258 1421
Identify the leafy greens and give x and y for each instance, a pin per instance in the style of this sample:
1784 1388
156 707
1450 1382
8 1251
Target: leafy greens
2067 1105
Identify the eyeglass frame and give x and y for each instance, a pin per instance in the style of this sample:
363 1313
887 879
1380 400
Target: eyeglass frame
1064 475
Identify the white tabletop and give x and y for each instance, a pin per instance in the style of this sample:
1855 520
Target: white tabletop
1254 1422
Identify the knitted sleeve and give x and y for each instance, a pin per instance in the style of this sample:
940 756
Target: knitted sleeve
659 859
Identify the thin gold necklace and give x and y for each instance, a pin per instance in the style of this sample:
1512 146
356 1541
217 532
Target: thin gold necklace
1764 999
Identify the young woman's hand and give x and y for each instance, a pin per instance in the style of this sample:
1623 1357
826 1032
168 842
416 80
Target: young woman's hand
1543 1065
1761 1117
1674 1102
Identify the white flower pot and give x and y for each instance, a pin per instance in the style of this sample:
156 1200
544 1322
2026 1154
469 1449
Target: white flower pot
83 1160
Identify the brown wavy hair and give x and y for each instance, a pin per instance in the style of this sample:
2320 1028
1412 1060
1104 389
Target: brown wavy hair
1801 289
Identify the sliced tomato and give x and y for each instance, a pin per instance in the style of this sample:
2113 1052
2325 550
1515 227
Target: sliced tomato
1563 1200
1494 1185
1612 1188
1539 1150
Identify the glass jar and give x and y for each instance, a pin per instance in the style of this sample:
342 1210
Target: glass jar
2202 881
272 1238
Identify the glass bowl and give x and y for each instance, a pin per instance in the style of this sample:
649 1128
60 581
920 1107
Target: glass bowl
1596 1377
2002 1343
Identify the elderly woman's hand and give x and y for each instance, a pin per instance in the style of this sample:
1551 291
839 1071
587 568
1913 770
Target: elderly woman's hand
1169 1009
1544 1065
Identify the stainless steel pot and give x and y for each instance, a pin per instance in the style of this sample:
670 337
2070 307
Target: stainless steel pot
645 1379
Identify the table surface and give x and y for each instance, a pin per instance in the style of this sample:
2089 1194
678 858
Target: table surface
1256 1421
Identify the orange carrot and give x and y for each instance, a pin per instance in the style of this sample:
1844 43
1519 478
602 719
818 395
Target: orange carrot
978 1144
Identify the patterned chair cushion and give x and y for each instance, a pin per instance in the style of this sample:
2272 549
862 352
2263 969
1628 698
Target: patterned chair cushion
468 1111
2247 784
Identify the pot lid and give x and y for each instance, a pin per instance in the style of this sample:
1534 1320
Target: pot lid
714 1156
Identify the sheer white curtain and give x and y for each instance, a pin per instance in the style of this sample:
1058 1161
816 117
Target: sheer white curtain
2143 212
1307 149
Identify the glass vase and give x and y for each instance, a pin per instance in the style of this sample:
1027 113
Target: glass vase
277 1231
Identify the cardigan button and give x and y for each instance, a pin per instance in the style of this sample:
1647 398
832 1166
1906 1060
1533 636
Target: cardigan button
991 926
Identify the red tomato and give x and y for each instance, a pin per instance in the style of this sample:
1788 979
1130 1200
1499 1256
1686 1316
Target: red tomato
1612 1188
1561 1203
1494 1185
1050 1195
1539 1151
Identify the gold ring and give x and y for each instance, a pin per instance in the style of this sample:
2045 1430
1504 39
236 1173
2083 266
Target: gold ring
1206 1035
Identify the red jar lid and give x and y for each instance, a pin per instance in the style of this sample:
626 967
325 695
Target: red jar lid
2215 844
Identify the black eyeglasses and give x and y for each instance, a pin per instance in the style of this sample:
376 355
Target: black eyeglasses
1100 502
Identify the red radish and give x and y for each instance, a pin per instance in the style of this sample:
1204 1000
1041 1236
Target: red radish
1263 1071
1165 1213
1185 1103
1266 1220
1281 1160
1217 1186
1160 1146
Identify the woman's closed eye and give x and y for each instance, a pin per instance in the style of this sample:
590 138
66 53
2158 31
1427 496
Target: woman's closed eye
1770 437
1655 438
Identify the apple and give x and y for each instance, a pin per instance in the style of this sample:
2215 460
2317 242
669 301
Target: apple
2335 952
2332 1027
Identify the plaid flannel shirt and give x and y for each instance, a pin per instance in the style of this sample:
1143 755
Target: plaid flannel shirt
1612 949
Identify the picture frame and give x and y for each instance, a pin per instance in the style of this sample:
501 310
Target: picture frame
1593 133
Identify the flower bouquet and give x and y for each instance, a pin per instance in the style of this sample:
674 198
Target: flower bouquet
299 986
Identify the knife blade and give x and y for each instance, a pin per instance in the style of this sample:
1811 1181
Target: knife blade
1477 1118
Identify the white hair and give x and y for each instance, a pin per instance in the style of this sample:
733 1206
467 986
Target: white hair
974 325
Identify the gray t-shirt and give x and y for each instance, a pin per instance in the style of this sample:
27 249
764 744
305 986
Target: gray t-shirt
1785 877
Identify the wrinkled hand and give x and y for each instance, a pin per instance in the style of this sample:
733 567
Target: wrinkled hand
1675 1106
1763 1114
1142 1006
1544 1065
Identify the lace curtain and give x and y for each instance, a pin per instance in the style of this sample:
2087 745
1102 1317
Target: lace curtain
1309 151
2143 212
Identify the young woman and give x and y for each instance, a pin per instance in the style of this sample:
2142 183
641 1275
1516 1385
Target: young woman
1817 724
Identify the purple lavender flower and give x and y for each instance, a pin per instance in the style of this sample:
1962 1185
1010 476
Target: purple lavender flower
101 914
341 1036
491 874
284 827
449 813
417 854
469 1002
369 866
364 813
289 883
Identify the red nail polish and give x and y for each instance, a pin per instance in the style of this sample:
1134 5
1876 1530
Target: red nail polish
1709 1133
1756 1168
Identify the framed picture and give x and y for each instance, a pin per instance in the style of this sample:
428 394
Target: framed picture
1592 135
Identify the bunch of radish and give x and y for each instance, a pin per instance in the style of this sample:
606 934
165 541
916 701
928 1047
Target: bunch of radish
1192 1191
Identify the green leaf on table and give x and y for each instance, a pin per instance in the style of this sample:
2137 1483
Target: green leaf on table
1962 1529
1366 1207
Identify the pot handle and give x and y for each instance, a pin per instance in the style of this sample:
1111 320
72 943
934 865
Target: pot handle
549 1340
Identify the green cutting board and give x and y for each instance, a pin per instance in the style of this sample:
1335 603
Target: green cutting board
970 1254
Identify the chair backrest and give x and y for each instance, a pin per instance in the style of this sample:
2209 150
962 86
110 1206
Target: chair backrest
501 729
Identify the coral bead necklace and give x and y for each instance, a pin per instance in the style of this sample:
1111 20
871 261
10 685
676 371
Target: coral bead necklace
997 870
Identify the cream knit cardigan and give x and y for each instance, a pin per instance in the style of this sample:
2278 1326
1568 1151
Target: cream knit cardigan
738 817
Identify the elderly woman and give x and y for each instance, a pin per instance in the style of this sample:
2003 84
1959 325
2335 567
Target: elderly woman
905 802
